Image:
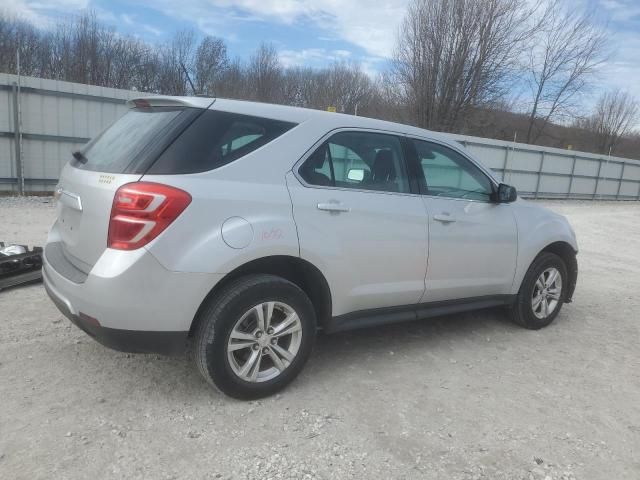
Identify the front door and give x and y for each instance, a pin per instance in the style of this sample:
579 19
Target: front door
472 241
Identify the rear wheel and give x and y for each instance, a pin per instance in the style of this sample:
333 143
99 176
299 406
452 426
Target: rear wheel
542 292
255 336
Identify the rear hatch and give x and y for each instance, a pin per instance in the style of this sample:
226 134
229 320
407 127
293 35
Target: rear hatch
119 155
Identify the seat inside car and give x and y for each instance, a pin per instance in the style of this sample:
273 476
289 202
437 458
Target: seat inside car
383 173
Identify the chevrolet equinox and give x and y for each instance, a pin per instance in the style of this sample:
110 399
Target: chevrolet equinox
236 230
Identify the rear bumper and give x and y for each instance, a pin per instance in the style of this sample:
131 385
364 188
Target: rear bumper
133 341
129 302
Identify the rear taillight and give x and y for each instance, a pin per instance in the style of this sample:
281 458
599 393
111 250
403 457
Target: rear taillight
141 211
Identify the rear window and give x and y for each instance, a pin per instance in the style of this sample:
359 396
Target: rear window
135 140
217 138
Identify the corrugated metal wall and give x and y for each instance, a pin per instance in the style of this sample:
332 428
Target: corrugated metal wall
58 117
544 172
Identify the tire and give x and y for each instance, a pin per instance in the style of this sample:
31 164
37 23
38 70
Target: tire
238 308
526 312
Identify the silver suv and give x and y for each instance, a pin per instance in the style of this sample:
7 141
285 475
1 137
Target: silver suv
236 230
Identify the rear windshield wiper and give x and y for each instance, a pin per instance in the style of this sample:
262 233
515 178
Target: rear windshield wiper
79 156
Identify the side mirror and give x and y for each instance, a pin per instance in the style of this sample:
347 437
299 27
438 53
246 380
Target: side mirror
505 194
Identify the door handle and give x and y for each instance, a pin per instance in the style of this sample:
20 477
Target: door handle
333 207
444 218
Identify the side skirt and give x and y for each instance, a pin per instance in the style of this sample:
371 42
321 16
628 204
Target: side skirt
405 313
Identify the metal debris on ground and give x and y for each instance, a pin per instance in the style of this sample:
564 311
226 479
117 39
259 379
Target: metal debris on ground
19 265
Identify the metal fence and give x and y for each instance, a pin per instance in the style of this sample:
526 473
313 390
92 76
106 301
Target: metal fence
544 172
43 121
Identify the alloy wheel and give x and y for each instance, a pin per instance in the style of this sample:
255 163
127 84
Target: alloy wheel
547 293
264 341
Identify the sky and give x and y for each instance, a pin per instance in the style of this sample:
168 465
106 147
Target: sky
317 32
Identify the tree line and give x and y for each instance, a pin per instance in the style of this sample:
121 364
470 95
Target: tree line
455 67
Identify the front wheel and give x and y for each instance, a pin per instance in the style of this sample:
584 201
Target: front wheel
542 292
255 336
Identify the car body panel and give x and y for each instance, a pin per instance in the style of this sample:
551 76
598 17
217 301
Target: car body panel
373 255
472 251
194 242
538 228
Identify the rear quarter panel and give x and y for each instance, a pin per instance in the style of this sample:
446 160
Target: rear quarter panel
195 243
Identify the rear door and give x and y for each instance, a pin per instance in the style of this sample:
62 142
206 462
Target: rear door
473 241
117 156
358 220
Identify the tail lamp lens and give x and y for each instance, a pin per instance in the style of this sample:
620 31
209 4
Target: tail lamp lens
141 211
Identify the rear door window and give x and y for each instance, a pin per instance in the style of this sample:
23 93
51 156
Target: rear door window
359 160
215 139
133 140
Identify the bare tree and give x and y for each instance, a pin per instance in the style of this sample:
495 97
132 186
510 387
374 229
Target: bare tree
210 61
455 54
172 79
299 87
19 35
346 87
233 82
342 85
265 74
564 56
146 79
389 101
615 115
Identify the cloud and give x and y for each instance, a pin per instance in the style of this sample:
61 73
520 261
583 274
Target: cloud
21 9
40 13
151 29
58 4
311 57
623 69
128 19
320 57
132 21
621 10
371 26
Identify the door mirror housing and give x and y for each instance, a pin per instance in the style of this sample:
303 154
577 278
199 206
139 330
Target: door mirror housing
505 194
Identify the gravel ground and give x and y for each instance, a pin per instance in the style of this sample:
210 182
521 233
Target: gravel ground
463 397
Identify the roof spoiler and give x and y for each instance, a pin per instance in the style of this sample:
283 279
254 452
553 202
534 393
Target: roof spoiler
167 101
